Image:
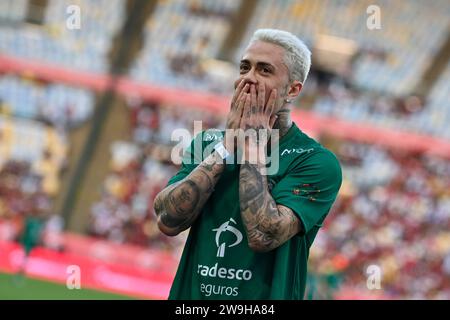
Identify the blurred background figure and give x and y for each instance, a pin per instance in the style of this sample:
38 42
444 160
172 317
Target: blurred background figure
92 90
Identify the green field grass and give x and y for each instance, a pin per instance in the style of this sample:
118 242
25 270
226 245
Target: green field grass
15 288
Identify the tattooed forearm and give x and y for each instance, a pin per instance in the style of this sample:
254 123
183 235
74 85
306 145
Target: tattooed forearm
268 225
178 205
174 222
251 184
184 198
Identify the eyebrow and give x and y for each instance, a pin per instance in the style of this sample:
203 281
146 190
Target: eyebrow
259 63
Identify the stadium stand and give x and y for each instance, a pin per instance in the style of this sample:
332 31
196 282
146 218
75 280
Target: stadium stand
425 115
85 48
393 210
56 104
408 49
179 38
34 147
13 11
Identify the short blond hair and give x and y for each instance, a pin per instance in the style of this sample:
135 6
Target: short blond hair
298 56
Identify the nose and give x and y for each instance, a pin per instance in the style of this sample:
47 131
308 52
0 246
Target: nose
250 77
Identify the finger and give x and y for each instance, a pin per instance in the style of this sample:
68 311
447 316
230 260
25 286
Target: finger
245 111
262 96
238 90
241 95
245 89
241 102
247 105
240 105
237 93
271 103
253 101
272 120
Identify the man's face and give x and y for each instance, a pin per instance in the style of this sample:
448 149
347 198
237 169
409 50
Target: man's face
263 63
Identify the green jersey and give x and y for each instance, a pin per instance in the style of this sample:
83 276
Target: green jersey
217 262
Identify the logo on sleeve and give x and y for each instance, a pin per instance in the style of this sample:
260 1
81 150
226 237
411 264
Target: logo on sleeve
296 151
307 190
223 228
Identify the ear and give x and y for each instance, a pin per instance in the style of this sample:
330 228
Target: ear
295 89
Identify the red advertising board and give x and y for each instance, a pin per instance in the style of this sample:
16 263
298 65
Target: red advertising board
112 272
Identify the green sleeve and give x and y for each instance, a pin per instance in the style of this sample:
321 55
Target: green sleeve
191 159
310 188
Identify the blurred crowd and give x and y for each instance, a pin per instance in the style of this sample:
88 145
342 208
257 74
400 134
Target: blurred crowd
392 58
35 120
56 104
23 196
182 38
75 34
393 212
335 96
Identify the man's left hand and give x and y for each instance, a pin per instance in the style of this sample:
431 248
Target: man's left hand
257 120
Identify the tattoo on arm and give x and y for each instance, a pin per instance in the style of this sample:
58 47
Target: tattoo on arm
184 198
178 205
268 225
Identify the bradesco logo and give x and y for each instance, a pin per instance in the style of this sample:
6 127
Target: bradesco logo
224 273
223 228
217 271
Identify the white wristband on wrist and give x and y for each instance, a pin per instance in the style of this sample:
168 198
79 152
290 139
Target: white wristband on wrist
221 150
